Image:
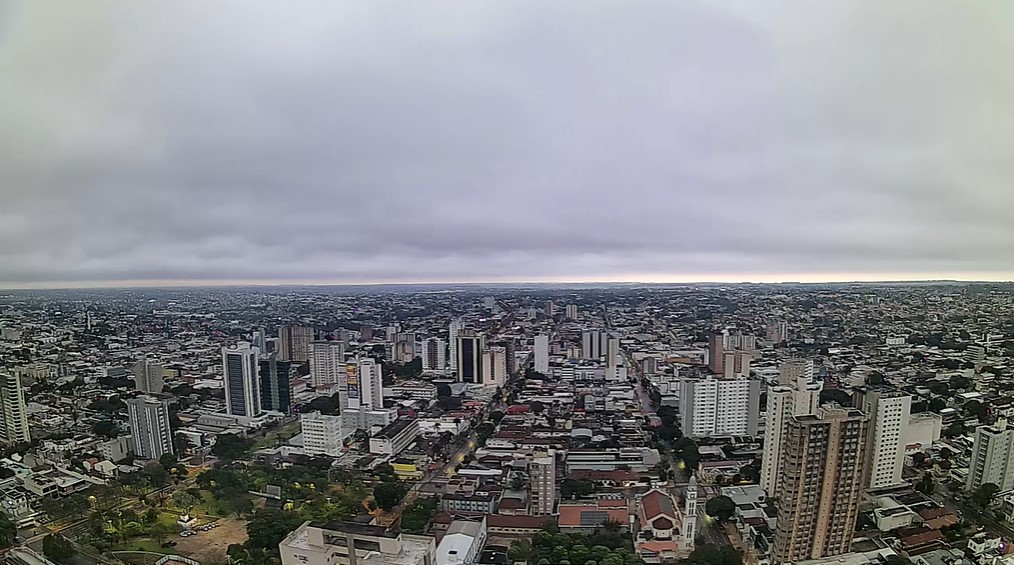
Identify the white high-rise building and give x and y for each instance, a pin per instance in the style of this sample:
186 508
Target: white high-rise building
321 434
795 394
242 387
149 427
14 427
327 363
690 514
612 353
452 339
494 366
889 414
992 458
712 407
542 471
364 385
434 354
594 344
542 354
148 377
571 311
294 343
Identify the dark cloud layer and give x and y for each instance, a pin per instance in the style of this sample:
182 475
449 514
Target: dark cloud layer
464 140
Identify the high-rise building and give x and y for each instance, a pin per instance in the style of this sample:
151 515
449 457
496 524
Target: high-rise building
716 354
795 394
542 472
469 357
594 344
494 366
888 412
434 354
649 366
327 363
365 333
14 426
276 384
148 377
542 354
453 330
321 434
992 458
242 385
612 353
364 385
690 514
713 407
821 481
550 308
777 331
571 311
740 341
294 343
149 426
736 362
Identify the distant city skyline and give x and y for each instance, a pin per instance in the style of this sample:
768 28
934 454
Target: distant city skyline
156 143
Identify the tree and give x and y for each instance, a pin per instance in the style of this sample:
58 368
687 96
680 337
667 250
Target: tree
835 395
267 528
937 404
57 548
720 508
168 461
574 488
897 560
875 378
958 382
536 407
230 446
443 390
155 474
977 409
520 551
926 485
707 554
518 482
106 428
919 458
495 416
956 428
389 495
181 444
984 495
159 532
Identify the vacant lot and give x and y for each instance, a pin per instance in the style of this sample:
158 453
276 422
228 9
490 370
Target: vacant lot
210 546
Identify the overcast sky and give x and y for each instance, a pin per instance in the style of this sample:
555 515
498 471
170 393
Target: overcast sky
377 141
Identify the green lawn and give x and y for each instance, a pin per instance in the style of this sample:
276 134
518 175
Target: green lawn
282 434
139 544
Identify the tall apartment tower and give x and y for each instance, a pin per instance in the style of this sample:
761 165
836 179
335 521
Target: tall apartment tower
571 311
889 412
14 426
364 385
434 354
242 385
992 458
543 484
821 481
542 354
148 377
276 384
469 352
149 426
716 354
494 366
452 339
795 394
612 353
294 343
327 362
714 407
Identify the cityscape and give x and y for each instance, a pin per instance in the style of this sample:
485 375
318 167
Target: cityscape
857 424
506 282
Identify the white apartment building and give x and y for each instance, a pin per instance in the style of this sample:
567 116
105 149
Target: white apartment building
992 458
149 426
327 363
542 354
364 385
452 339
14 427
795 394
889 415
542 471
712 407
321 434
242 385
148 377
494 366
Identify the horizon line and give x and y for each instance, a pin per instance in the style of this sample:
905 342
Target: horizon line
838 278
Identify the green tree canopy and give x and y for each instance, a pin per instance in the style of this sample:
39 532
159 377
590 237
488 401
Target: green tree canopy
390 494
720 508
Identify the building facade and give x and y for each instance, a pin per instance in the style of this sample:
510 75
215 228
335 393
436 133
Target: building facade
821 481
795 394
14 427
542 472
469 357
294 343
242 385
713 407
327 362
889 413
321 434
434 354
276 384
542 354
992 458
149 427
347 543
148 377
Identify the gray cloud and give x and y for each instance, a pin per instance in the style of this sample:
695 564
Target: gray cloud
462 140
